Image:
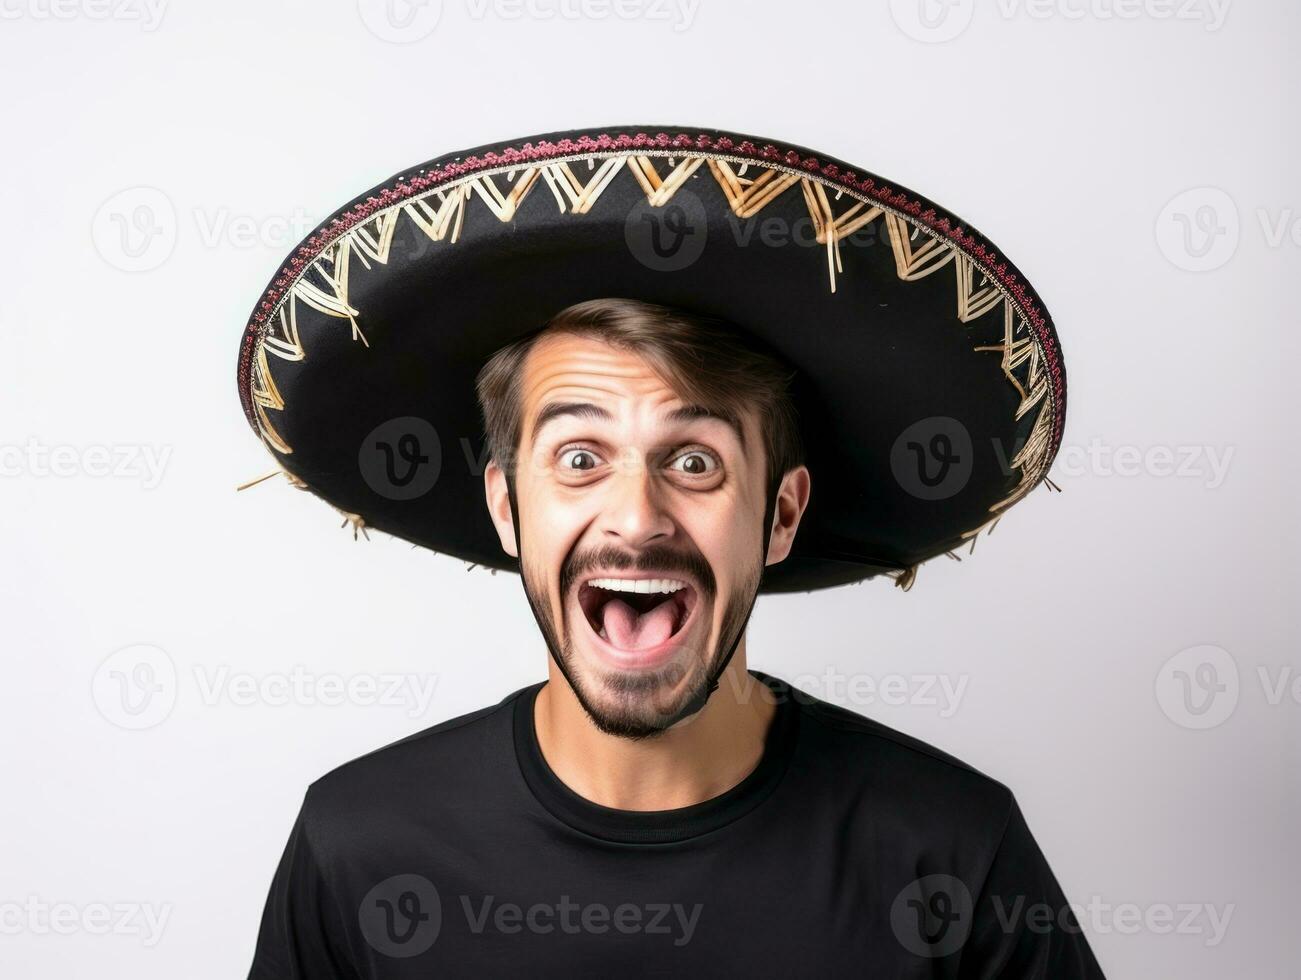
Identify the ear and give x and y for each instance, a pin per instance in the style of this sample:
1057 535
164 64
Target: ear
498 496
792 498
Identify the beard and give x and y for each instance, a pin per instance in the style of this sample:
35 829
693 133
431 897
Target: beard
642 704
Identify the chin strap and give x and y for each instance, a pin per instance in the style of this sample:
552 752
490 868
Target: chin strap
699 702
769 510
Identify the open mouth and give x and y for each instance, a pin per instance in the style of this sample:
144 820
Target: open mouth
636 615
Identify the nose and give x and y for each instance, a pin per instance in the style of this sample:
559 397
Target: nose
633 514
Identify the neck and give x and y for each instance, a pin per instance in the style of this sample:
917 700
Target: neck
701 757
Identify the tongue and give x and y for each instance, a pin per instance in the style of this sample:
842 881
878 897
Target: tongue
629 631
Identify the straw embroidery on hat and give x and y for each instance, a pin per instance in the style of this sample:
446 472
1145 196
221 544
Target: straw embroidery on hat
932 391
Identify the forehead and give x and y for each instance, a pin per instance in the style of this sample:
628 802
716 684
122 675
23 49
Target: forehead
575 375
572 367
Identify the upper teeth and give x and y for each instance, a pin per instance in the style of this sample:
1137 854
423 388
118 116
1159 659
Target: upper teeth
638 584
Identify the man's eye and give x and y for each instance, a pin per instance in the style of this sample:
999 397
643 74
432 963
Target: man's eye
578 460
694 463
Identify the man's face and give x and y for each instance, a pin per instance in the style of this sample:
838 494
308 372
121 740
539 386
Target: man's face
641 530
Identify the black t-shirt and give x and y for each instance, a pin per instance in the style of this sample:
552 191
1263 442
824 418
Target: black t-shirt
850 851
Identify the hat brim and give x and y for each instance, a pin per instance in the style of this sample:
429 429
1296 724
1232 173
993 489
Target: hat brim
930 384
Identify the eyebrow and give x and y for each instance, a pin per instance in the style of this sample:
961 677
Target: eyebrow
555 410
688 413
684 413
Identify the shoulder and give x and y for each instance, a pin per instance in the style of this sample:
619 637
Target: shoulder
902 776
453 761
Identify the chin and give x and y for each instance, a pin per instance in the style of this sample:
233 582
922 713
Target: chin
637 649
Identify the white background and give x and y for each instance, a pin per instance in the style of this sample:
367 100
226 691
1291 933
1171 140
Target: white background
1067 132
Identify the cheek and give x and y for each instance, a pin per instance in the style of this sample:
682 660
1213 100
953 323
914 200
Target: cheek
726 533
551 522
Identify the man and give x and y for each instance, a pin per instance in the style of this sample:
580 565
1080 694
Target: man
654 807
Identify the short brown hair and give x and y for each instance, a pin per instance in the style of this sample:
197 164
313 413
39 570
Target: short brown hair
705 360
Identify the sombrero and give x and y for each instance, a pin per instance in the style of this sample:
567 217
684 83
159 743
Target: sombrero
930 383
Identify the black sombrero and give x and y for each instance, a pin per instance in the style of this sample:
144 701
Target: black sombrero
931 388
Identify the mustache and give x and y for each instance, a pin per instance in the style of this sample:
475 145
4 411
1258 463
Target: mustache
690 564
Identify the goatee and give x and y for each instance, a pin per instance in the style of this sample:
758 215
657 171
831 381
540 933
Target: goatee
642 704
